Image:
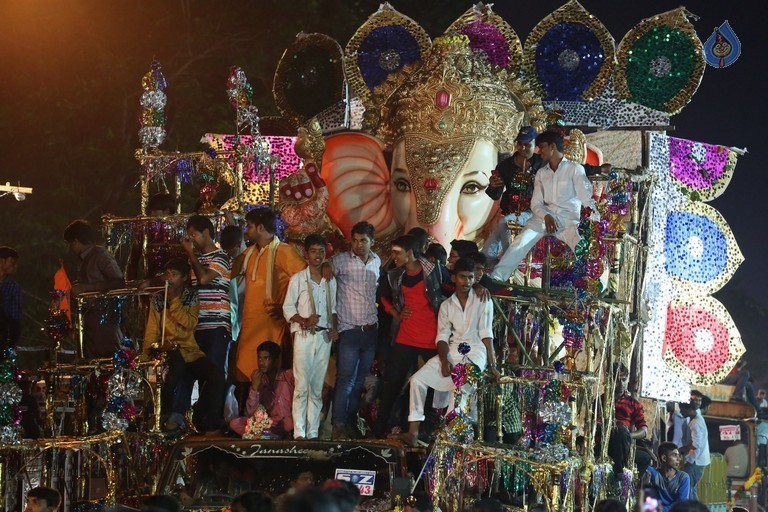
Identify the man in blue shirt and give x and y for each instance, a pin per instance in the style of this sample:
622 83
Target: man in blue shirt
672 484
10 299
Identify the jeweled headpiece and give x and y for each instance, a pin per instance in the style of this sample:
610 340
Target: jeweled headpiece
455 93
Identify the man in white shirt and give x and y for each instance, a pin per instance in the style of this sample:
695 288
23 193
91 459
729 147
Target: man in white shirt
463 319
697 451
310 308
560 189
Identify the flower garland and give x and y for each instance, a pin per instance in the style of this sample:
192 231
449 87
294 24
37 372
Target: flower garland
120 409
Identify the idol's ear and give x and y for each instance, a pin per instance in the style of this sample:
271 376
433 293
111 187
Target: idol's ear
358 182
388 45
490 34
309 77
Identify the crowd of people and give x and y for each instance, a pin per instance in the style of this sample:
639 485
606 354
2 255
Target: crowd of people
317 341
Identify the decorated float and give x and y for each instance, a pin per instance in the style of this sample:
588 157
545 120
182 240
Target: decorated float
401 130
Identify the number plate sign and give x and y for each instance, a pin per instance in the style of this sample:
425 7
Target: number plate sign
364 480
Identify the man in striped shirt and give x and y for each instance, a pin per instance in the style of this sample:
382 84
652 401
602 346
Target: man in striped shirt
630 423
211 274
357 277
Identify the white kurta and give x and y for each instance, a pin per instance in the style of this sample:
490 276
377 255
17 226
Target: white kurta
560 194
455 325
311 352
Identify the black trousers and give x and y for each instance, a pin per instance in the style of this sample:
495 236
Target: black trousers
618 450
209 409
402 361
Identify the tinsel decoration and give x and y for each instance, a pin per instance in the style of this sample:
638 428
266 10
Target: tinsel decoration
569 55
551 454
490 34
57 324
120 409
660 62
153 100
240 95
10 397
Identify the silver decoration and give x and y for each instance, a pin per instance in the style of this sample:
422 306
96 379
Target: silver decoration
551 454
555 412
151 136
112 421
153 99
10 435
569 59
10 393
661 66
389 60
124 383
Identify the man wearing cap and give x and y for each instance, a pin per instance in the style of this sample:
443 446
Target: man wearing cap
512 182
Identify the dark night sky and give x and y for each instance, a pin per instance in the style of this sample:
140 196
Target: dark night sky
49 49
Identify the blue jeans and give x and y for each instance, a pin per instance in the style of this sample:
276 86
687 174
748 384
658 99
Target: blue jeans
695 472
357 348
215 344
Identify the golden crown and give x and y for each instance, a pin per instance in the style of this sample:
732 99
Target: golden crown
455 93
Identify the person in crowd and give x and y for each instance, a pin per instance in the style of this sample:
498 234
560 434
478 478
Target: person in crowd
346 494
179 309
272 388
560 190
102 335
310 307
675 424
253 501
10 299
481 264
312 500
511 182
233 244
43 499
211 276
161 503
610 505
672 484
98 272
630 424
211 269
357 276
487 505
411 294
436 255
691 505
737 455
743 390
463 319
761 400
267 267
697 451
304 480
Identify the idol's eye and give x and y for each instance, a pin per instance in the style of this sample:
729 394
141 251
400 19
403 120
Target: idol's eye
472 188
402 185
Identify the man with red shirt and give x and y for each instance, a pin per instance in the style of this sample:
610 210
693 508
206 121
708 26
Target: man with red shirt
630 424
411 293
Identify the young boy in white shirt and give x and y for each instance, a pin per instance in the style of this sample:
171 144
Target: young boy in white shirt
310 308
463 318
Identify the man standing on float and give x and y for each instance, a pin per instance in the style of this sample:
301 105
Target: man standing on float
560 190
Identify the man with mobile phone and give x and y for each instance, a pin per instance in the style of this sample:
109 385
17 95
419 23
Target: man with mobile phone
667 482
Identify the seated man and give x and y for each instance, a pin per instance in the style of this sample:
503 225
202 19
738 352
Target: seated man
271 388
560 190
463 319
630 424
672 484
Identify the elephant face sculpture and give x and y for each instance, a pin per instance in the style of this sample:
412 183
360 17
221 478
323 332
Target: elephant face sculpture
441 187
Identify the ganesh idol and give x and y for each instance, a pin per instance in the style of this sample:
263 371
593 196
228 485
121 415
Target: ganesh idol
437 116
444 128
